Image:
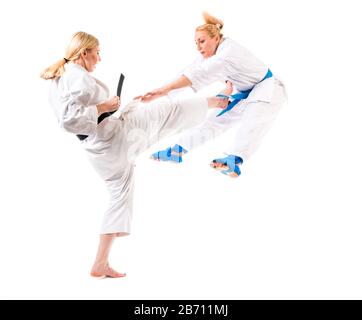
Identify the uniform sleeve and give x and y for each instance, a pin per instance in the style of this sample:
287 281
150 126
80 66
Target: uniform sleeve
175 92
79 116
206 72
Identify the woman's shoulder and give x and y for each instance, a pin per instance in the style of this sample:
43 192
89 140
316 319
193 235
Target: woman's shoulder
73 69
231 49
76 74
228 45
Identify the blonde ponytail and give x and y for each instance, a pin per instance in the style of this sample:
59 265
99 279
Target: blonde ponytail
54 71
212 25
80 41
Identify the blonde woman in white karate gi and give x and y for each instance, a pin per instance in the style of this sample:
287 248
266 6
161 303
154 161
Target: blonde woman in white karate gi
111 145
257 99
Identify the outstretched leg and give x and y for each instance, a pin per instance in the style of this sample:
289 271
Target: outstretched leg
101 268
174 154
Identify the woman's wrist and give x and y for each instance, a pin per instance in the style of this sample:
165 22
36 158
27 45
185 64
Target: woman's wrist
100 108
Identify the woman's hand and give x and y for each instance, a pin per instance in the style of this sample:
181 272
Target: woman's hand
152 95
179 83
110 105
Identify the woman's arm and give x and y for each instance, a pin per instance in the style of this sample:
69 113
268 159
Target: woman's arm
196 76
108 106
179 83
77 111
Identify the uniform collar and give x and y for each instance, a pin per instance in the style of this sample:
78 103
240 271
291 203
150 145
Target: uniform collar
72 65
221 45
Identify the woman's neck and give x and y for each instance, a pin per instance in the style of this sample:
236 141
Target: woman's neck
80 62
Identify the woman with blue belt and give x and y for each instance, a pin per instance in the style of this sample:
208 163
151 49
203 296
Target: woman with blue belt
257 99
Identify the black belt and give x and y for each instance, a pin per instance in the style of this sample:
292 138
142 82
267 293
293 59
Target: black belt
106 114
100 119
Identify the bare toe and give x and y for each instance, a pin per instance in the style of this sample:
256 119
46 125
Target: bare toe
217 165
113 273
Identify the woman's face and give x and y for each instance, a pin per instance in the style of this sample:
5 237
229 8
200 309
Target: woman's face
205 44
91 57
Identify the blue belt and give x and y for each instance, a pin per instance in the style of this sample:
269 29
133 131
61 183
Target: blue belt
241 95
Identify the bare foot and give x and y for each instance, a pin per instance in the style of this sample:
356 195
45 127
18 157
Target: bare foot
218 166
99 271
222 166
222 103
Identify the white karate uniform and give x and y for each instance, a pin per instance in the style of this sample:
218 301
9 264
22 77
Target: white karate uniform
253 115
113 145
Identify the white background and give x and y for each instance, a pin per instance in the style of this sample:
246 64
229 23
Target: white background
288 228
